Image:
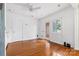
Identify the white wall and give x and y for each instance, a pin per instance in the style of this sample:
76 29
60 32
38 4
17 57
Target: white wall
67 35
19 26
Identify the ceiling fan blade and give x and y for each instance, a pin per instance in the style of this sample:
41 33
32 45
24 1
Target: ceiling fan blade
37 8
32 9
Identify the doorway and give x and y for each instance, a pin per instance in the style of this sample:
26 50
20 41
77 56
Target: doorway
47 29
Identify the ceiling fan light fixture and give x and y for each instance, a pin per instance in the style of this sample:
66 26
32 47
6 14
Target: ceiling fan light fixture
58 5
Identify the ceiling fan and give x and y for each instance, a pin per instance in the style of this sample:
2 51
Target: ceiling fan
31 7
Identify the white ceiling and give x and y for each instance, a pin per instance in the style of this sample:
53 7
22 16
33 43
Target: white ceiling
45 8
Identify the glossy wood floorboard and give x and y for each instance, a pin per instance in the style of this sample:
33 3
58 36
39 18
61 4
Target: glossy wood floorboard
30 50
60 50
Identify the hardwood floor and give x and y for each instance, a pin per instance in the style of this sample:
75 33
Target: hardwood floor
60 50
29 48
39 48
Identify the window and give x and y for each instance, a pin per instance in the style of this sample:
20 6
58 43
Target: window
57 26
